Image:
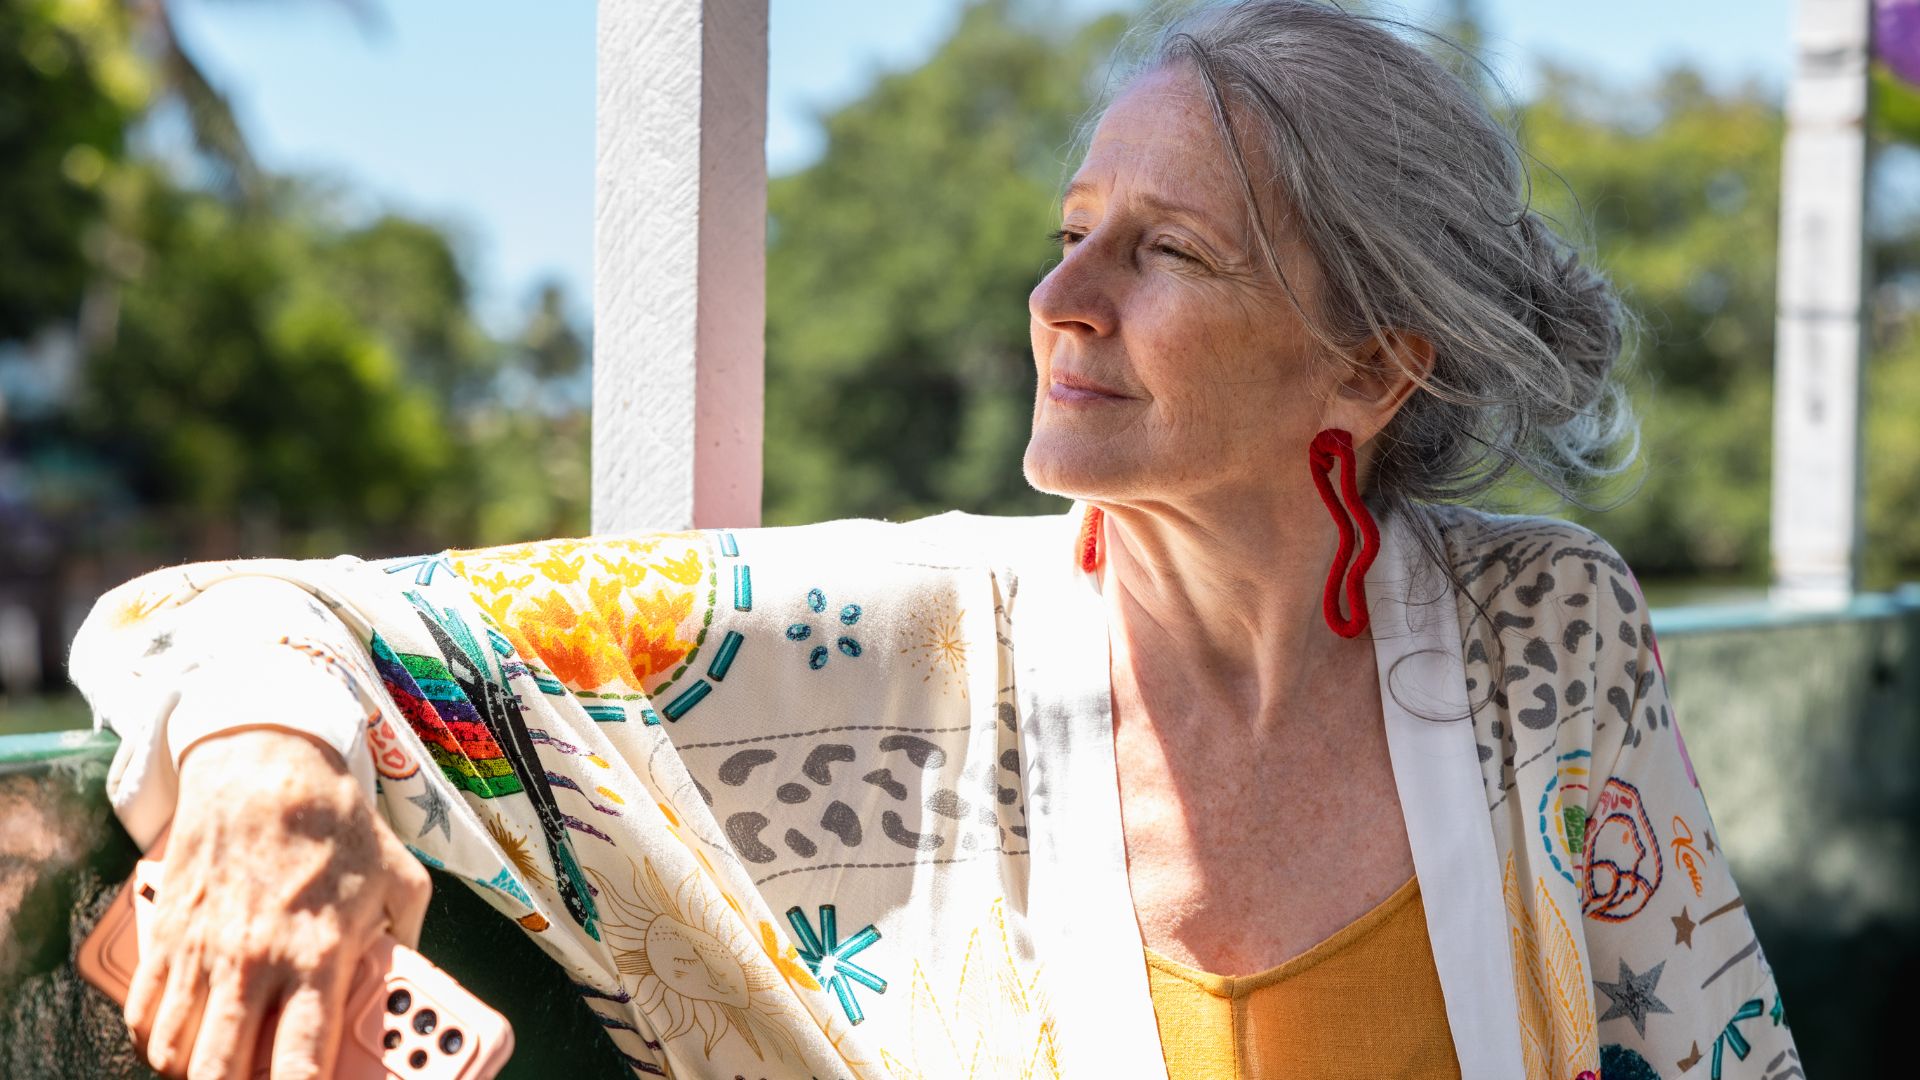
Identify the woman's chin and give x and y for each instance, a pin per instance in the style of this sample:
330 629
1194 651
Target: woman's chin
1062 465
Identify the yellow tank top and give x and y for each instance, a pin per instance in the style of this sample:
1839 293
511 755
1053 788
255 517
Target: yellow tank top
1365 1003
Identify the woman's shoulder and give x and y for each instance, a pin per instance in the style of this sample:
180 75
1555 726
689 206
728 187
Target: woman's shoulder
1478 537
1514 563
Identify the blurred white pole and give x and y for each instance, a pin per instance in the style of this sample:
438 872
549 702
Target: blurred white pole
1820 331
679 290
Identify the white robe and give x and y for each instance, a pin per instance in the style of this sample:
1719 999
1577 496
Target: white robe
840 800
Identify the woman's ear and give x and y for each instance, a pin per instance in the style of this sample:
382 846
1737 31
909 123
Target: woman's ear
1383 373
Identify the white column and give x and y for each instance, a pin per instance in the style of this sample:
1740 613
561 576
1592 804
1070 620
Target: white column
1820 333
679 291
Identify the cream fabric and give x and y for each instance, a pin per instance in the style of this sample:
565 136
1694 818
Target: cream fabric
840 800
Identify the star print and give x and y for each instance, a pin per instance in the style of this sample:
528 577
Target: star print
1633 996
435 808
161 643
1683 929
1710 848
1692 1059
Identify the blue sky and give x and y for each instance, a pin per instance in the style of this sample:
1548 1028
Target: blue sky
479 114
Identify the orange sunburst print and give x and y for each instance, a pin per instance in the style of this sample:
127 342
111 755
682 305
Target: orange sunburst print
615 632
578 650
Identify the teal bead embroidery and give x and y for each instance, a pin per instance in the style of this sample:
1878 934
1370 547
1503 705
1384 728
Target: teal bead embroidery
831 960
818 655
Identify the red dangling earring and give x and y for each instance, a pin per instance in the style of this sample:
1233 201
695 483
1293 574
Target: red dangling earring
1331 444
1087 547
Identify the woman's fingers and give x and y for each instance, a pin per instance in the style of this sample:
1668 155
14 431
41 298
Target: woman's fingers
280 930
177 1021
229 1027
145 992
306 1041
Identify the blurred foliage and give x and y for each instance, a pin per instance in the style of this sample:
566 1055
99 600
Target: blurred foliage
240 376
899 377
1677 189
1896 107
245 347
1892 465
63 114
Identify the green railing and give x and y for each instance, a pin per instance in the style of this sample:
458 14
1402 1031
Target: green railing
1804 729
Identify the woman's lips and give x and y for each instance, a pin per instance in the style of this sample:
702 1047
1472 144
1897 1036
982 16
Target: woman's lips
1070 391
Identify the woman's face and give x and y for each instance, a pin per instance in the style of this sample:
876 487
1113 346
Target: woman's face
1171 362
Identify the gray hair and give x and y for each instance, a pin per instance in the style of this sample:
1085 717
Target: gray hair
1415 203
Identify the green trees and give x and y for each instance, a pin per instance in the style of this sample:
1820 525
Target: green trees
63 111
241 374
245 347
1680 188
898 373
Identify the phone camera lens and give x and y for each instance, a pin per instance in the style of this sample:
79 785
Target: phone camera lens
424 1021
391 1039
399 1001
451 1041
417 1058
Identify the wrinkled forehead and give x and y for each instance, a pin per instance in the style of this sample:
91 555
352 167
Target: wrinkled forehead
1159 139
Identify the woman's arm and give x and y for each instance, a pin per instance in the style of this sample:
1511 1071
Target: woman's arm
1680 980
527 704
243 697
238 722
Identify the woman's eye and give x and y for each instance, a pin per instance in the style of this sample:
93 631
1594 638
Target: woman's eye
1067 238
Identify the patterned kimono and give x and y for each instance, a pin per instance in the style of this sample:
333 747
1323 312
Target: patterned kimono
840 801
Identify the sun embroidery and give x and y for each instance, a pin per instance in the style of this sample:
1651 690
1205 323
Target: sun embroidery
938 646
136 608
514 847
691 965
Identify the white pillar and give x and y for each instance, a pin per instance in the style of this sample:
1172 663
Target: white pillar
1820 332
679 291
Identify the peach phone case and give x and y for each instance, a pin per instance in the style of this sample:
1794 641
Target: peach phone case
404 1018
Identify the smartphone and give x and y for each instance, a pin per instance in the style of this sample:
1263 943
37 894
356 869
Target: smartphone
404 1017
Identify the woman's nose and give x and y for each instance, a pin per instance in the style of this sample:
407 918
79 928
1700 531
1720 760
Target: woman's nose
1074 297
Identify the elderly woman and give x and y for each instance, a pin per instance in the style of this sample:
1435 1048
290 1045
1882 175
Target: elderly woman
1271 758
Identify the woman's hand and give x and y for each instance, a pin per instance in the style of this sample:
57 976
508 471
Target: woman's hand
278 877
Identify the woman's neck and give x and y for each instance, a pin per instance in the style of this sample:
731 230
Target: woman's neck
1217 612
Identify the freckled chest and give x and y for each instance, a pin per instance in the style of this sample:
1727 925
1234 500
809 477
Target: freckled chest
1243 851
